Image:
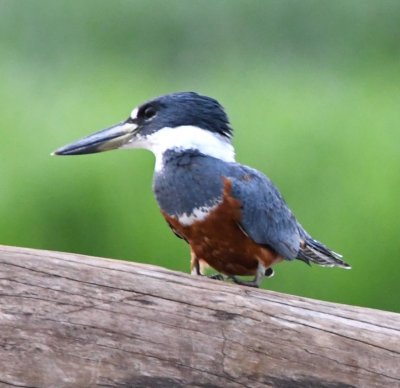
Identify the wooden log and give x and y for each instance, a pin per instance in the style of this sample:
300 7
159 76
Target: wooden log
69 320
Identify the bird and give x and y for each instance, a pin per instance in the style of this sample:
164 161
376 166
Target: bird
232 216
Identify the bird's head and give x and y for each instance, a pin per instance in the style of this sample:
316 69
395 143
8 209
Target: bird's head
177 121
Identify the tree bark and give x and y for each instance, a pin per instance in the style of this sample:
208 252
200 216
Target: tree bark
69 320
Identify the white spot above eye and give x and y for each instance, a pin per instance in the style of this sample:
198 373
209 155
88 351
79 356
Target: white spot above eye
134 113
197 214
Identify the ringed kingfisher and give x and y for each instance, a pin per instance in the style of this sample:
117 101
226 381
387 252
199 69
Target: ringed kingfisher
232 216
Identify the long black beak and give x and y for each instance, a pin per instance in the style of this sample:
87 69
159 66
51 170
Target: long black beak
104 140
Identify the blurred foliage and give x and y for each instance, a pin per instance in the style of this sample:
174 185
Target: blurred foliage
312 89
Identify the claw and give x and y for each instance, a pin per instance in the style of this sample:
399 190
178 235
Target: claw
261 272
196 269
216 276
256 282
251 283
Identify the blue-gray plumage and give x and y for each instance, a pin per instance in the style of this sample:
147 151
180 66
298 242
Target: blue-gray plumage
232 215
191 180
188 109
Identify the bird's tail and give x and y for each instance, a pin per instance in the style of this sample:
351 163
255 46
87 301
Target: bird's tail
312 251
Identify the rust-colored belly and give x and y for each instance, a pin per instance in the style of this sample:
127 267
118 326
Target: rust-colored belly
221 243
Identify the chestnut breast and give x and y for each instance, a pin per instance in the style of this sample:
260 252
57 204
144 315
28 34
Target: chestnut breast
219 240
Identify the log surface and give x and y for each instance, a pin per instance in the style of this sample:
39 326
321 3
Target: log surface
69 320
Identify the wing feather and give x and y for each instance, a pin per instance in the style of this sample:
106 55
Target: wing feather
265 216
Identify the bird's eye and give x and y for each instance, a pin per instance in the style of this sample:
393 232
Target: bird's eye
149 112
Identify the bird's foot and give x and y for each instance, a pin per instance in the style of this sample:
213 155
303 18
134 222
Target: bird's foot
256 282
249 283
216 276
196 270
260 274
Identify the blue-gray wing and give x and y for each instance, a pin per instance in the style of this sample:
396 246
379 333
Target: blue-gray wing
265 216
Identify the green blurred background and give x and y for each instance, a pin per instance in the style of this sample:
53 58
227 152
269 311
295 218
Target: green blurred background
312 89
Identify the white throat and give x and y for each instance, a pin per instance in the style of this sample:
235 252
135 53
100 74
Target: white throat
185 137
